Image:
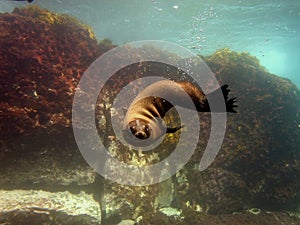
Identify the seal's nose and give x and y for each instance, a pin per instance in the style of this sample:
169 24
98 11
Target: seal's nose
140 135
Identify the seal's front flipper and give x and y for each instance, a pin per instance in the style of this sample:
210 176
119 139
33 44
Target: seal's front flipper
173 129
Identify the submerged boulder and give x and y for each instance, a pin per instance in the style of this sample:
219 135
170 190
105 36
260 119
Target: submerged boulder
250 217
41 207
260 151
43 56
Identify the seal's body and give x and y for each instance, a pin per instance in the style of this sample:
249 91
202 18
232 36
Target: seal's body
144 117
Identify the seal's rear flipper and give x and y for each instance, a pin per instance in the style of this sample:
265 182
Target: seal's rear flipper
230 103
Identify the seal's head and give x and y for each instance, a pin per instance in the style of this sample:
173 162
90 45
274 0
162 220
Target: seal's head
143 132
140 129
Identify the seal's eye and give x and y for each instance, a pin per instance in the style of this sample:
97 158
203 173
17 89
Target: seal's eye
133 129
147 130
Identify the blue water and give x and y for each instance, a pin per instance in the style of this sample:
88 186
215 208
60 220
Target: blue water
268 29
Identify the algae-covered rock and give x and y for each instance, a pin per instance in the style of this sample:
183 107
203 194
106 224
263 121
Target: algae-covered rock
218 191
261 145
43 56
242 218
128 202
20 207
262 141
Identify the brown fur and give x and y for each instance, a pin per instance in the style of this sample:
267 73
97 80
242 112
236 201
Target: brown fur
145 114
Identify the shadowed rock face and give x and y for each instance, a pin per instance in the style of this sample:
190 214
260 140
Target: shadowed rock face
242 218
260 149
43 56
262 142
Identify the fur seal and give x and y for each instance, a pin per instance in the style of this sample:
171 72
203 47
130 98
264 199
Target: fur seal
144 117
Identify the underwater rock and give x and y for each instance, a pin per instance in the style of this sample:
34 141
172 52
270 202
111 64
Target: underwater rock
170 211
243 218
262 141
217 191
43 56
45 162
261 144
20 207
166 195
122 202
127 222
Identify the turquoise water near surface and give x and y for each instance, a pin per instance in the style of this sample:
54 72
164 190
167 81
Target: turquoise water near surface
268 29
